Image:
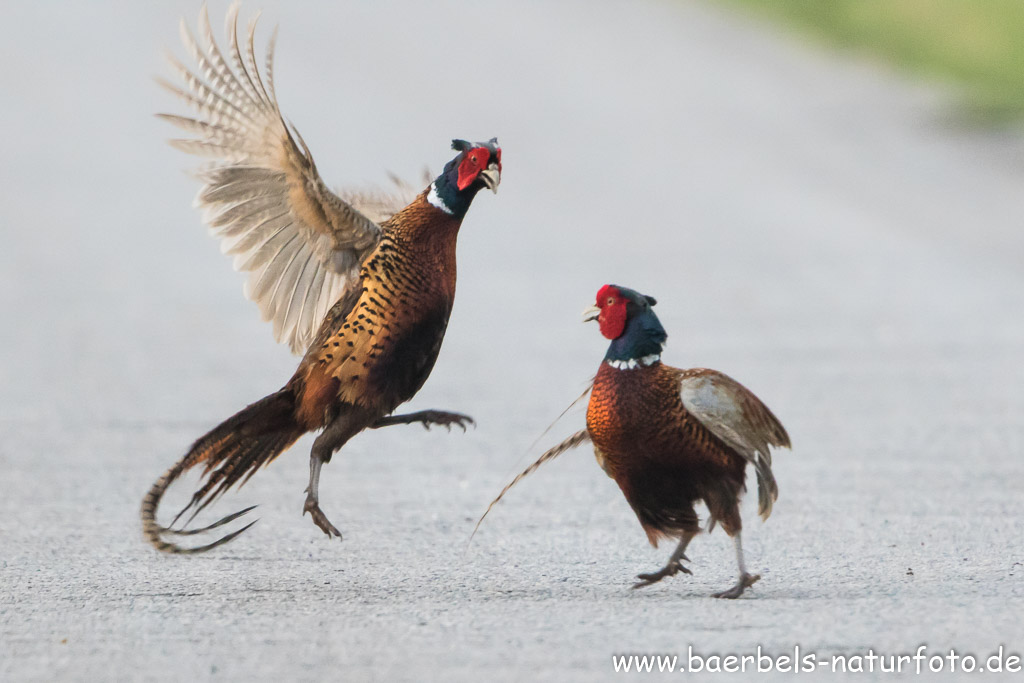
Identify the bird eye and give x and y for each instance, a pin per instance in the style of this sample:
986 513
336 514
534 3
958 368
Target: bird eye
473 158
611 300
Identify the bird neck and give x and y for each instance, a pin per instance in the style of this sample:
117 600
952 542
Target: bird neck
445 195
423 226
639 345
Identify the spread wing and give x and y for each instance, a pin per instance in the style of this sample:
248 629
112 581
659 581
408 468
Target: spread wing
380 205
737 417
300 243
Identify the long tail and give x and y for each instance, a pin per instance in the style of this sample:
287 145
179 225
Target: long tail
561 415
573 441
234 449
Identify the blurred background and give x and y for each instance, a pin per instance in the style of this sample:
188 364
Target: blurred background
825 198
976 48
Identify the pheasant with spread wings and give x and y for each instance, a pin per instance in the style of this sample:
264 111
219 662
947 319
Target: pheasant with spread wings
361 284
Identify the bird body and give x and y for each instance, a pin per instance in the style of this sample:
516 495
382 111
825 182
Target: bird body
362 285
662 458
671 438
378 353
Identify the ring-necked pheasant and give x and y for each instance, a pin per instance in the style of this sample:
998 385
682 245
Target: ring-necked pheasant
362 284
671 437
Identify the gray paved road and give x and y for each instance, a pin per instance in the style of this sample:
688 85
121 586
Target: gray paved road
814 226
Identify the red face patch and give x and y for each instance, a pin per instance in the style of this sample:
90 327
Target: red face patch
475 161
612 319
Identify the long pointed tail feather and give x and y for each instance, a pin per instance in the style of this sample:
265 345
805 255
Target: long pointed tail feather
570 443
231 452
572 405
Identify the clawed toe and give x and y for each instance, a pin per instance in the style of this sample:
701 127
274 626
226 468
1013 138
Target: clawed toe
320 519
745 582
655 577
446 420
647 580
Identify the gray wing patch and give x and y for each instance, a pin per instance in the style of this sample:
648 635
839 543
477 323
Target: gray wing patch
737 417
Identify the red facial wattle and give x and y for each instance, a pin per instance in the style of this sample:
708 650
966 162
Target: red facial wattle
612 319
472 163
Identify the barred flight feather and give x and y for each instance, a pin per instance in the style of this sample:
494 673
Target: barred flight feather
301 258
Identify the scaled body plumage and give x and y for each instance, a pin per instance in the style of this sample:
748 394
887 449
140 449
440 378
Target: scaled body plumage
661 457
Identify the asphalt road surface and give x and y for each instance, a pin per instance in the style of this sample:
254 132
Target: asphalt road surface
816 226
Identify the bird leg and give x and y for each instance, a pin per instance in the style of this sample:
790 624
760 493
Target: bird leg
674 566
426 418
745 580
334 436
312 505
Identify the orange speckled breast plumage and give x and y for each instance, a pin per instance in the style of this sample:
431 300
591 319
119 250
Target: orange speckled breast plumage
662 458
378 351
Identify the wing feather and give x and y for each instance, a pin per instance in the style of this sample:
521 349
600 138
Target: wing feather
303 277
309 299
282 272
300 243
736 416
262 249
270 261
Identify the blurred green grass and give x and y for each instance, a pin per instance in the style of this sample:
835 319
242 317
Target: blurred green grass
978 44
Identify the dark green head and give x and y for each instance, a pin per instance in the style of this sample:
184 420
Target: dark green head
478 165
627 318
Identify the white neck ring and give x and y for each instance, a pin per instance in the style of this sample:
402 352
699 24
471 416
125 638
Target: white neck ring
435 199
633 363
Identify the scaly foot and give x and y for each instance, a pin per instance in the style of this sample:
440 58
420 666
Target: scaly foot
745 582
319 518
427 418
671 569
446 420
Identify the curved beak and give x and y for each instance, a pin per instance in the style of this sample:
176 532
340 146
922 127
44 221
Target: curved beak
491 177
591 314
